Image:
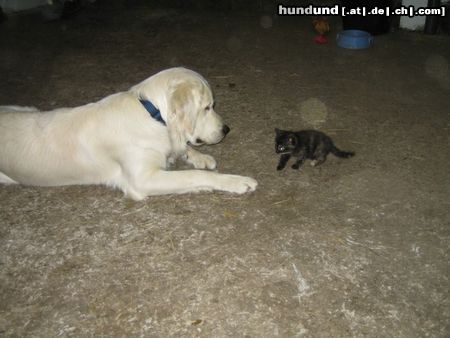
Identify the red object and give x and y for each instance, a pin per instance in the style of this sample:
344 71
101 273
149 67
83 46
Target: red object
320 39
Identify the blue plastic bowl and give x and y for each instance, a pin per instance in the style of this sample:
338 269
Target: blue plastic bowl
354 39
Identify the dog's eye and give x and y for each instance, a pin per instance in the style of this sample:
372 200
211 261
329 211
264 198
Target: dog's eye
210 106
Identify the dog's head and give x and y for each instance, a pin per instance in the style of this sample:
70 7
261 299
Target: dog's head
186 103
191 112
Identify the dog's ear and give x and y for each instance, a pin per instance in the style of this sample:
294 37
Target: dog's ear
182 106
182 112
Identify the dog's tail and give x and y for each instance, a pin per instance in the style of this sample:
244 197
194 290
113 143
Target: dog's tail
339 153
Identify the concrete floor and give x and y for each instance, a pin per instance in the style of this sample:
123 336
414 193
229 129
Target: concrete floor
354 248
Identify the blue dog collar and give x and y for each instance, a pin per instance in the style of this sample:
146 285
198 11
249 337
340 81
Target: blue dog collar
153 111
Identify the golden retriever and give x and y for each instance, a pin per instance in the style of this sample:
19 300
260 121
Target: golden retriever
118 143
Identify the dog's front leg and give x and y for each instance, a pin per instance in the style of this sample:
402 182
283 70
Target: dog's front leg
164 182
199 160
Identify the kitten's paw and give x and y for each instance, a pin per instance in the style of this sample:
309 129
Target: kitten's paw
313 163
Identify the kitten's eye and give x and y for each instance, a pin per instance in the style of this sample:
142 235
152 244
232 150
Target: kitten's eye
281 148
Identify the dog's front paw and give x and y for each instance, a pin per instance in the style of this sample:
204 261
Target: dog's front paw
200 161
240 184
204 161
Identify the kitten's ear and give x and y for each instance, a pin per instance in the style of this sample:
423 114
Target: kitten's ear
277 131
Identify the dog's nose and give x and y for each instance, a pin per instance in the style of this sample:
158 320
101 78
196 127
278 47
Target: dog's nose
225 129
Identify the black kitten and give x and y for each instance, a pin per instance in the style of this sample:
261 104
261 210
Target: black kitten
305 144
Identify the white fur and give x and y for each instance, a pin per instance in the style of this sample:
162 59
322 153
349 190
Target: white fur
117 143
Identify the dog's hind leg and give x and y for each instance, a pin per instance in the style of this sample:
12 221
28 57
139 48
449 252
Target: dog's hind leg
18 109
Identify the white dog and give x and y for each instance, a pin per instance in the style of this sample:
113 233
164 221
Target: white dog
124 140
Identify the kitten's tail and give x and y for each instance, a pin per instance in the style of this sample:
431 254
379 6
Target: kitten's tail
339 153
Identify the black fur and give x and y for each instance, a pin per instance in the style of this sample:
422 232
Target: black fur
305 144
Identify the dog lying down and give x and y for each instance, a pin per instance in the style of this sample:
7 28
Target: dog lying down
124 140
